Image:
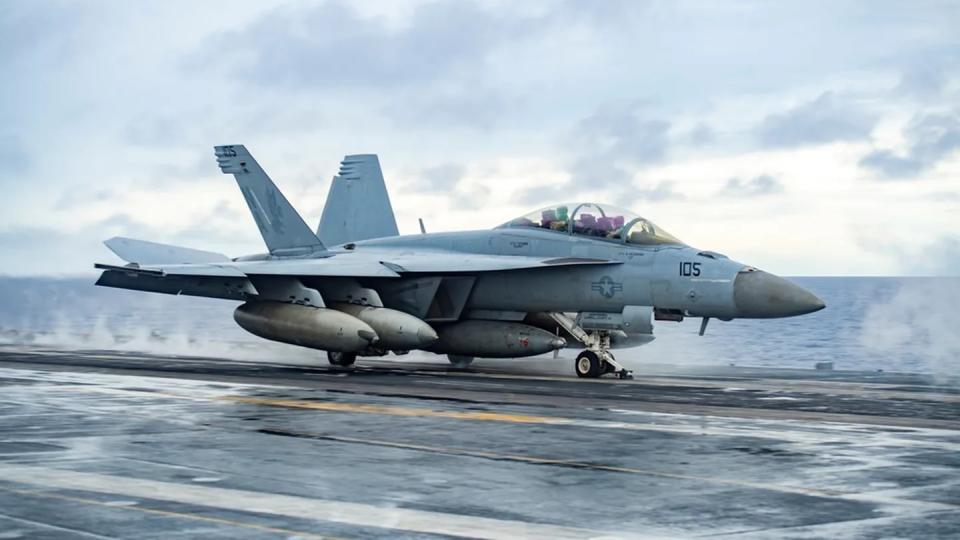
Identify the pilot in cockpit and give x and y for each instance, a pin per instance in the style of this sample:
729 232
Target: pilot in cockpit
599 221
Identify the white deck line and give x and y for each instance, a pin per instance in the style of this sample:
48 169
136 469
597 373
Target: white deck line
358 514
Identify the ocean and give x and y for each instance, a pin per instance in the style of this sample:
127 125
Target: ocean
898 324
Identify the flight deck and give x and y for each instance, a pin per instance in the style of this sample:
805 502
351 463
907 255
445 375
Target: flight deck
103 444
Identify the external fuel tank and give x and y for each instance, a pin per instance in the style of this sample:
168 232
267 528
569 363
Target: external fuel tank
317 328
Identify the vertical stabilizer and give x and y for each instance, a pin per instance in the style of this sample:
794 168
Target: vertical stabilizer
280 225
358 206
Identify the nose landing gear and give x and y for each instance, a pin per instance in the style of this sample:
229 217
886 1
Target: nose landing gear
597 359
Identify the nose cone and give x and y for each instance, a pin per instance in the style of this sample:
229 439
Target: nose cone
426 335
368 335
759 295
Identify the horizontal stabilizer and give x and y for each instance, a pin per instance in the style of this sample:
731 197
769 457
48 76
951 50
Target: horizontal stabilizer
358 206
280 225
132 269
143 252
202 270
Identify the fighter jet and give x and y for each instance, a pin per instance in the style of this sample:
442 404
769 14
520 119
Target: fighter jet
590 275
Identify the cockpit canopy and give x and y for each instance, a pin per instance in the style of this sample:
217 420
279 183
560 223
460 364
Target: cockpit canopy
600 221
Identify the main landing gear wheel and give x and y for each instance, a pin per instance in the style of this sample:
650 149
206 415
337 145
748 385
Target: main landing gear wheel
459 361
588 365
596 360
342 359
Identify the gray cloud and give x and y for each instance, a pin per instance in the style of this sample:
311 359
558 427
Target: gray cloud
826 119
471 197
466 107
32 32
544 195
663 191
21 256
79 197
701 135
13 157
218 227
614 140
440 178
756 187
126 225
607 147
924 79
332 45
930 139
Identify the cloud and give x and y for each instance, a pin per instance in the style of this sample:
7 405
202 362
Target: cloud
13 157
939 258
333 45
461 107
930 139
826 119
542 195
471 197
756 187
615 140
701 135
32 250
925 79
45 32
662 191
440 178
80 197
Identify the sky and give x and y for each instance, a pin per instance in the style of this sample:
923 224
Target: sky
804 138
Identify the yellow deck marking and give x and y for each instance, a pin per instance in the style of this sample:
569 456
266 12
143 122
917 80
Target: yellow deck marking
397 411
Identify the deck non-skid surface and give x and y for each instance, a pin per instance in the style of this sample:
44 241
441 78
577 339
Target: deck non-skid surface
99 444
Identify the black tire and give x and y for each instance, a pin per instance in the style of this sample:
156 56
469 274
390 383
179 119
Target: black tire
459 361
341 358
588 365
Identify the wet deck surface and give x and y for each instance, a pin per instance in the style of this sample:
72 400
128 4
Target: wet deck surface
97 444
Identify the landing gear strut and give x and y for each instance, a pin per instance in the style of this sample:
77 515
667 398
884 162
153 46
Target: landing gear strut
597 359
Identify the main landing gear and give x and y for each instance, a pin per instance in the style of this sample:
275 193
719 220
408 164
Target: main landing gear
591 364
597 359
341 359
459 361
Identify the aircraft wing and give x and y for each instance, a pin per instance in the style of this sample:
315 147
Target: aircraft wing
373 264
238 280
453 262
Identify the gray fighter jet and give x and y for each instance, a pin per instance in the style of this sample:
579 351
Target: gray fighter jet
588 274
